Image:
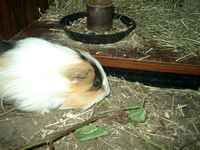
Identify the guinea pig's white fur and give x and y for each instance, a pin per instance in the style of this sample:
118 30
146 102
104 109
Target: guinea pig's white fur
31 77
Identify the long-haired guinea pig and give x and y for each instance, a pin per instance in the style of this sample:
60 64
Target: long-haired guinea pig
37 75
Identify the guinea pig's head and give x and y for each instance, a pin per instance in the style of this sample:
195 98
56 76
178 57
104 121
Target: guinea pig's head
88 83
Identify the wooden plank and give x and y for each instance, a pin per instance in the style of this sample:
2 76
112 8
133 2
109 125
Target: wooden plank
131 64
17 14
7 25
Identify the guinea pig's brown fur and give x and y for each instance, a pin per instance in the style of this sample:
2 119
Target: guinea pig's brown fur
82 90
81 76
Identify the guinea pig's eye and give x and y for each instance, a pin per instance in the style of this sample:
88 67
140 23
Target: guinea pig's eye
79 75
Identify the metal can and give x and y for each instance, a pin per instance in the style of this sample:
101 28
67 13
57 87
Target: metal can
100 15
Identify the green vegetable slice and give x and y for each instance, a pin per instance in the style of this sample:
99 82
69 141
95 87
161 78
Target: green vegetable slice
90 132
137 115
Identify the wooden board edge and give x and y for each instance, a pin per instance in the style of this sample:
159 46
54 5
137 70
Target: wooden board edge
131 64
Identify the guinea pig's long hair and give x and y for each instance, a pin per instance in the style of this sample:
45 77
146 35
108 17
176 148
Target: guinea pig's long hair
37 75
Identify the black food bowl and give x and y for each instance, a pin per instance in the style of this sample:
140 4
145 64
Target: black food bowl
97 38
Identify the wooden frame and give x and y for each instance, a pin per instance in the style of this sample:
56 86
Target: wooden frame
17 14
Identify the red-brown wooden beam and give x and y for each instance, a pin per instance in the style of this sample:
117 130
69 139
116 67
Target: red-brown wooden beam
131 64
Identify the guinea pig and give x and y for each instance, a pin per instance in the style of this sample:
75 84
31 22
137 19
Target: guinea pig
37 75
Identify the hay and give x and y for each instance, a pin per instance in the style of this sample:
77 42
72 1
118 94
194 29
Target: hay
173 115
171 23
173 121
